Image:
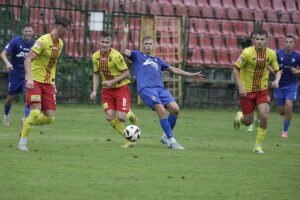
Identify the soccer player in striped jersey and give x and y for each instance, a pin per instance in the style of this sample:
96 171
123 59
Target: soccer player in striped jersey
110 64
40 68
148 71
251 75
286 94
19 48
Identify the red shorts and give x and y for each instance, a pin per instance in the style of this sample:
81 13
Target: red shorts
253 99
42 93
116 99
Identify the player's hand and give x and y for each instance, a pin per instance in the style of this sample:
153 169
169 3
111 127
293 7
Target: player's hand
107 83
30 84
275 84
126 28
198 76
93 96
242 92
9 67
294 70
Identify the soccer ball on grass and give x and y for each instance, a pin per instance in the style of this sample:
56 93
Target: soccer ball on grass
132 133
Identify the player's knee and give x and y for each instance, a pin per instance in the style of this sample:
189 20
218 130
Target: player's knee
122 118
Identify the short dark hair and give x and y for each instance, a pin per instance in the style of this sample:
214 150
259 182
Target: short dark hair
290 36
147 38
27 26
63 21
253 33
105 34
261 32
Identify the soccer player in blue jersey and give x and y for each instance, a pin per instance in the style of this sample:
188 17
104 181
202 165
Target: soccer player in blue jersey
18 48
286 94
150 86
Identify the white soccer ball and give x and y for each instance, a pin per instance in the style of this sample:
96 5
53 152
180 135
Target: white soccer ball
132 133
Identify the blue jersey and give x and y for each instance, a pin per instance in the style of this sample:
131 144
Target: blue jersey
148 70
19 50
286 62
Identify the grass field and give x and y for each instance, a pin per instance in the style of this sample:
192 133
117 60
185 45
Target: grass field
79 157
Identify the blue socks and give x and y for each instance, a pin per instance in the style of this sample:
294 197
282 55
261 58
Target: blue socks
7 109
166 127
27 111
286 125
172 120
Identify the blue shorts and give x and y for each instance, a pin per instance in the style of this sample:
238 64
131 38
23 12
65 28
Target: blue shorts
285 93
152 96
16 86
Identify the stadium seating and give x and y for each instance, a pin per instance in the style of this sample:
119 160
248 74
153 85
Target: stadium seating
203 3
291 6
231 43
205 41
209 56
220 13
264 5
193 41
215 3
194 56
233 14
207 12
253 4
278 5
241 4
214 26
228 4
278 30
295 17
218 42
290 29
222 56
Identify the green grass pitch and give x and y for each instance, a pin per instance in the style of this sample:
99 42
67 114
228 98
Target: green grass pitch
79 157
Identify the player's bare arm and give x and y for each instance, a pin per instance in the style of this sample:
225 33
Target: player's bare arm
123 49
3 55
125 74
295 70
95 85
198 76
28 61
236 75
275 83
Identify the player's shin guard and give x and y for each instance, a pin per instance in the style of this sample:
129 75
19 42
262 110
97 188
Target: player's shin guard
118 126
131 117
172 120
166 127
30 120
260 135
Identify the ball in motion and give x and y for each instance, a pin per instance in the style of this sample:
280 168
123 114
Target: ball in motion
132 133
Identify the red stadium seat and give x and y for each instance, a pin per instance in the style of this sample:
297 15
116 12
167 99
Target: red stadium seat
272 44
295 17
154 9
190 2
290 29
134 38
250 27
234 54
203 3
168 10
214 26
228 4
170 54
207 12
233 14
220 13
267 27
284 16
192 25
278 5
205 41
194 11
227 27
180 8
134 23
231 43
253 4
201 26
193 41
247 14
297 46
194 56
209 56
265 5
218 42
223 57
215 3
259 15
271 16
291 6
241 4
240 28
278 30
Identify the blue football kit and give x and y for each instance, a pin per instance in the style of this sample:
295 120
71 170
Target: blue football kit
148 71
19 50
288 84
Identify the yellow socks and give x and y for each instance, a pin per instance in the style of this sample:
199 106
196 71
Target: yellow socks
118 126
260 135
43 119
131 117
29 122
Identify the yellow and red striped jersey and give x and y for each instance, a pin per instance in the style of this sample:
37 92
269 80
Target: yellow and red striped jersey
110 66
44 65
254 73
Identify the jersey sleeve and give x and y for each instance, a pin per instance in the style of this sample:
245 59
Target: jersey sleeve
120 62
10 45
163 65
274 62
133 55
242 60
95 63
38 46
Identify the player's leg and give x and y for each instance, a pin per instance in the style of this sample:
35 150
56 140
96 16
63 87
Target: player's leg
246 115
7 107
174 112
26 108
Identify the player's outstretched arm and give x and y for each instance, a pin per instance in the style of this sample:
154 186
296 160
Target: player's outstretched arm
3 55
123 50
197 75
